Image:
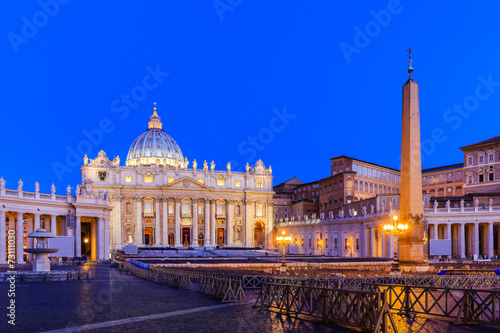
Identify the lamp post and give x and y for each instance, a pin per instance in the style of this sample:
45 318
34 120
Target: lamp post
283 240
395 229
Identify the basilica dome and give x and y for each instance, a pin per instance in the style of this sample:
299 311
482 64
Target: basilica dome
154 147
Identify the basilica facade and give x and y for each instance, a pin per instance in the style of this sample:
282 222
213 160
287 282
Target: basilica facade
161 199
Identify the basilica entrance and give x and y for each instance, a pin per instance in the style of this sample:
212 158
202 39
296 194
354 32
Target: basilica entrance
86 239
186 236
220 236
258 234
148 236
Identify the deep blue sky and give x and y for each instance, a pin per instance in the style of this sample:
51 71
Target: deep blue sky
227 75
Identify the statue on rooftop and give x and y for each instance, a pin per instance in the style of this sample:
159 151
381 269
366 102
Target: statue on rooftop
37 187
20 185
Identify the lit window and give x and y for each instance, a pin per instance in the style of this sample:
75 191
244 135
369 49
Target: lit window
260 183
148 179
128 179
170 221
170 179
220 181
200 180
238 183
185 208
102 176
170 208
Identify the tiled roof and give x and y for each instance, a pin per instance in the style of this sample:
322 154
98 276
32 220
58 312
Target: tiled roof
484 142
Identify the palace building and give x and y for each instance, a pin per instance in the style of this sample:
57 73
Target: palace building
157 199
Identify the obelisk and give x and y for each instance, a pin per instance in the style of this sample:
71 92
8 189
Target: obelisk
411 244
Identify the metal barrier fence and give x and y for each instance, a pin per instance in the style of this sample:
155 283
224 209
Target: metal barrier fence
179 281
366 310
226 290
466 306
438 281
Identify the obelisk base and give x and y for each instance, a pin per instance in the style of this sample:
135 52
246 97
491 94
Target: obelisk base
411 253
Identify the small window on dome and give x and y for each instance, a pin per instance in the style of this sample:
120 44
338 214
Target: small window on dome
159 146
147 146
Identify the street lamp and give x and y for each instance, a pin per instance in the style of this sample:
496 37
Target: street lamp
395 229
283 240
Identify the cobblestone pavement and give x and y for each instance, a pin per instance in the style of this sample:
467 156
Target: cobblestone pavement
115 303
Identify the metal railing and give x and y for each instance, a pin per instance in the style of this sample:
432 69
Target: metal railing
466 306
366 310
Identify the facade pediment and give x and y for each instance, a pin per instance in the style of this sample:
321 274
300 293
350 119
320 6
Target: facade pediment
187 183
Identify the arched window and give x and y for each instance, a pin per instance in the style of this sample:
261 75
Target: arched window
148 207
200 242
371 188
356 185
458 190
171 239
200 209
366 187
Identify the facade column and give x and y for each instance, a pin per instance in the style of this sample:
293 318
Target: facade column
384 243
118 222
212 223
3 239
229 223
248 224
165 222
53 224
105 248
269 225
195 223
489 250
206 220
157 222
100 238
94 240
177 220
138 223
78 236
461 239
19 239
36 222
475 239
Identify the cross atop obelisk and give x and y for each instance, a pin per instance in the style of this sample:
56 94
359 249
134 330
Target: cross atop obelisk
410 67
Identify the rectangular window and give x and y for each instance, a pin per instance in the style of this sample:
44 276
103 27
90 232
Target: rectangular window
469 179
148 179
260 183
335 243
170 221
309 242
426 200
491 157
200 221
357 243
394 201
326 243
170 208
481 159
345 244
469 160
481 178
491 177
220 182
200 180
383 201
170 180
128 179
238 184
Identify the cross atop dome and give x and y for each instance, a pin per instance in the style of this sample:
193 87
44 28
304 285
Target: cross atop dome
154 120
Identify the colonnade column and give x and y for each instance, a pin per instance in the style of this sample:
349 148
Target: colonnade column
19 239
229 238
366 243
194 243
390 247
212 222
448 236
105 247
383 249
475 239
165 222
78 236
177 220
461 237
435 232
206 219
248 223
489 251
53 224
3 239
373 243
157 222
36 222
